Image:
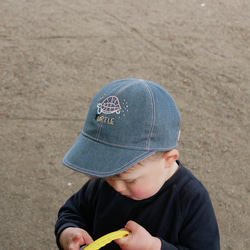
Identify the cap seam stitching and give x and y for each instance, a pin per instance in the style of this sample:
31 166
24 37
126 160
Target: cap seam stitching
124 146
153 116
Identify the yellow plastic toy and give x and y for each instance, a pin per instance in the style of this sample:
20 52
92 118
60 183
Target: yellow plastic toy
104 240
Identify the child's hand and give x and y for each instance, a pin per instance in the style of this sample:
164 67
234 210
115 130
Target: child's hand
139 238
72 238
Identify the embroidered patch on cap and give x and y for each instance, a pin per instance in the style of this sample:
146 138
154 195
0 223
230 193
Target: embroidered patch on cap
109 106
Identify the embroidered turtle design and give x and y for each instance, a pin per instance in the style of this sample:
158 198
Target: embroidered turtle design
109 106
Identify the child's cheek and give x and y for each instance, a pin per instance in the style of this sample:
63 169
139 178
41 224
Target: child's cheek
139 193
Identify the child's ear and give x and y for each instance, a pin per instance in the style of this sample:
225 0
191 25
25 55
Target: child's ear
170 157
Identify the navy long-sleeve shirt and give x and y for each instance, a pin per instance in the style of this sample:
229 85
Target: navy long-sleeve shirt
180 214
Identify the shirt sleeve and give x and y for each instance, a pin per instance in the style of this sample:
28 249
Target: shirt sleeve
199 229
77 211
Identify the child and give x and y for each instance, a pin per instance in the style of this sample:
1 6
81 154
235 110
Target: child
129 142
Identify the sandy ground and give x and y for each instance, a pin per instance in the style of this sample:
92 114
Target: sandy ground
55 55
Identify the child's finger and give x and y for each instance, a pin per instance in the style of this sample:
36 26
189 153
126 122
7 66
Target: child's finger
122 241
88 239
132 226
80 239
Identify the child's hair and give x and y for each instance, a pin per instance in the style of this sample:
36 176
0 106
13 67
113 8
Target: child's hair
157 154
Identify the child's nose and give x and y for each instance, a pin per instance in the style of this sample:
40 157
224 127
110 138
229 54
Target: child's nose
119 186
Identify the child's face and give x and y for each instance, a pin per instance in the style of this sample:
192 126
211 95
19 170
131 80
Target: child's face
143 180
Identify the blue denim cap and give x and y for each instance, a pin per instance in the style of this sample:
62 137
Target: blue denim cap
128 120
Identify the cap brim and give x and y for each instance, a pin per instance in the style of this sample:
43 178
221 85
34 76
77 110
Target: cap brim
101 160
